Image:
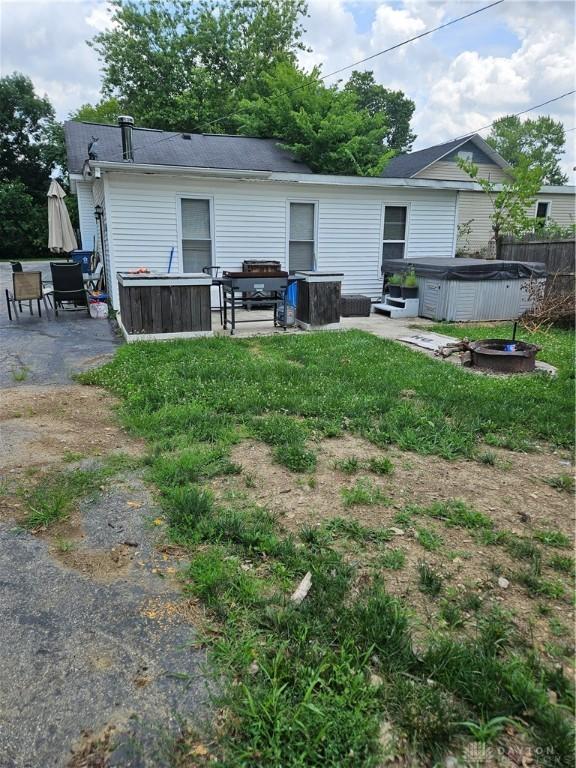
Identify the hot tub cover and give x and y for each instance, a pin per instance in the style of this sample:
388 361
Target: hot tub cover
467 269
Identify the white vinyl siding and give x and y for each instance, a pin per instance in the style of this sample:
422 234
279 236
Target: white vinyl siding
196 234
250 220
302 242
86 218
450 171
477 208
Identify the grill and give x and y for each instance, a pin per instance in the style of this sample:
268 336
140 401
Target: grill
503 355
265 289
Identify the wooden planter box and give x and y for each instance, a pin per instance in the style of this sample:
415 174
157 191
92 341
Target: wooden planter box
318 305
164 306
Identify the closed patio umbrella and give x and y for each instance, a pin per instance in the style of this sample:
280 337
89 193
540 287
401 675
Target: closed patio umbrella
61 237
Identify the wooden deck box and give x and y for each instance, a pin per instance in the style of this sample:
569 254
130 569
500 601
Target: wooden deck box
159 306
318 305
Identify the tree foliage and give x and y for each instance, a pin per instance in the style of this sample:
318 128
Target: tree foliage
106 111
511 199
396 108
31 147
540 141
183 64
230 66
323 126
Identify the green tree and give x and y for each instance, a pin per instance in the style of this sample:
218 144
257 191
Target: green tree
324 127
510 199
396 107
541 141
31 148
105 111
183 64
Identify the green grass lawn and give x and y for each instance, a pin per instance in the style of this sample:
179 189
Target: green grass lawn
319 684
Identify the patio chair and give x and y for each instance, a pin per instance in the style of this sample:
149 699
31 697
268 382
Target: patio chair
68 286
16 266
26 286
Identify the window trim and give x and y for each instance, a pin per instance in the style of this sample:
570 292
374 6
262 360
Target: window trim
548 208
381 241
316 205
187 196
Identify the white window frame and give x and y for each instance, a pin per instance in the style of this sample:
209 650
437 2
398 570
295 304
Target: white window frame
548 208
393 204
316 205
187 196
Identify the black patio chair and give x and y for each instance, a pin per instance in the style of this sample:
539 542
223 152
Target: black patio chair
68 287
16 266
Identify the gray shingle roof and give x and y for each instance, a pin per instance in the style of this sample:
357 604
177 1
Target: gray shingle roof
405 166
154 147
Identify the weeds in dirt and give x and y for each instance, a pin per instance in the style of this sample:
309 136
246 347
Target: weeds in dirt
455 513
349 466
429 580
428 539
351 529
393 559
451 613
54 497
381 465
363 492
486 732
553 538
488 457
563 482
562 563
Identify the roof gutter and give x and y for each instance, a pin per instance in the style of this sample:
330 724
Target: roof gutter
226 173
317 179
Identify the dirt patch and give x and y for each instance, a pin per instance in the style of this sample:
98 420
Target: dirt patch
104 565
40 426
516 497
512 493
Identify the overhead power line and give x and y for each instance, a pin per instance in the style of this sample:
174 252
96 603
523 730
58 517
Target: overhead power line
517 114
336 71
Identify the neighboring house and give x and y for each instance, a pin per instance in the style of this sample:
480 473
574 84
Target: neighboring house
217 200
441 162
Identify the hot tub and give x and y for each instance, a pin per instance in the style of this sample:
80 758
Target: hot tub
471 289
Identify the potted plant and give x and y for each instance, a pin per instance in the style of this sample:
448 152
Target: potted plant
410 285
395 286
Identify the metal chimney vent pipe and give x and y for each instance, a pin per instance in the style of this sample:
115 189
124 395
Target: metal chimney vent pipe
126 124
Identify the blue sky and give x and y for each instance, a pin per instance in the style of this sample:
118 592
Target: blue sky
503 60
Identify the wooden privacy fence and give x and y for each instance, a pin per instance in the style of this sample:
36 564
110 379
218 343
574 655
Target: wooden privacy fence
559 255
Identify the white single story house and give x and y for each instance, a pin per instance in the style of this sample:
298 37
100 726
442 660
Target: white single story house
178 201
557 203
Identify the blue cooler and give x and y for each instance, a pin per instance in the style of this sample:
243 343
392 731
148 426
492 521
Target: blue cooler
83 258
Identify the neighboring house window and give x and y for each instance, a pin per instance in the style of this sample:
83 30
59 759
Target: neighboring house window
542 209
394 238
302 242
465 155
196 235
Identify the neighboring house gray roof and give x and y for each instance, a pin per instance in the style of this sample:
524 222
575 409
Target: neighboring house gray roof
199 150
408 165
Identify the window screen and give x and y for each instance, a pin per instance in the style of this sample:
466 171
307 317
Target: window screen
394 238
196 235
301 247
541 210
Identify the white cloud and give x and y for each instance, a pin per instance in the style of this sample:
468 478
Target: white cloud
458 85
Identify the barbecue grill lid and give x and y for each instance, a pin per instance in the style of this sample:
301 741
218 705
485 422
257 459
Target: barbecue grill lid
466 269
252 275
